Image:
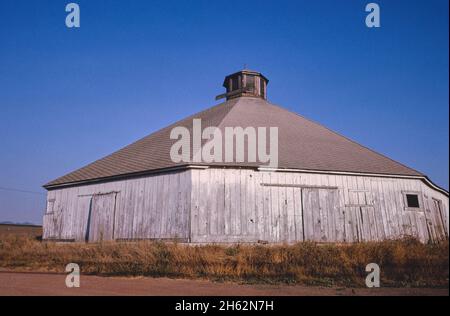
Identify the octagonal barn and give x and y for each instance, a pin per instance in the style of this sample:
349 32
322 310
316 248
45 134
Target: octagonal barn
325 187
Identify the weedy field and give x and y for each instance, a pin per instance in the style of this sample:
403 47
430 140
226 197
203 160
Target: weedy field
20 230
404 262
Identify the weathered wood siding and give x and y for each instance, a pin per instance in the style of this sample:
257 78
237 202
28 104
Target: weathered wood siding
141 208
242 205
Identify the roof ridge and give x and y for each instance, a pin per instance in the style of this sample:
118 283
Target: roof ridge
161 130
219 126
192 116
343 136
238 100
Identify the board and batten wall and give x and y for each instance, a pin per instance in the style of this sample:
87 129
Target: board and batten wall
150 207
245 205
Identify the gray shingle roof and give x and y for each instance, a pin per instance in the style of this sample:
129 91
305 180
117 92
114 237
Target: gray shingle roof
303 144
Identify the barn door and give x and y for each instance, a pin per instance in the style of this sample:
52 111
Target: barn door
101 217
53 221
321 220
438 223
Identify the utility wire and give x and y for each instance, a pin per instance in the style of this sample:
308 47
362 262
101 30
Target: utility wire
21 191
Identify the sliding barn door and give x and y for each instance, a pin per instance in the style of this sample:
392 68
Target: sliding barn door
101 217
437 225
321 219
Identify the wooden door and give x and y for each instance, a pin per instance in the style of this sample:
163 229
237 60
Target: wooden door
439 221
52 225
321 219
101 217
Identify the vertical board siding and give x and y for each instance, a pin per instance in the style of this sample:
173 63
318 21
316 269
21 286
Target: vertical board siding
142 208
244 205
293 207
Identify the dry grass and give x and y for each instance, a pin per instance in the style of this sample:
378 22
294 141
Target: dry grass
404 262
20 230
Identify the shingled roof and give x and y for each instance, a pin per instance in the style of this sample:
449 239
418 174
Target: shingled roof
303 144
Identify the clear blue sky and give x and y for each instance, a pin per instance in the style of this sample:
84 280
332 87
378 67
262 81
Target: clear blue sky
71 96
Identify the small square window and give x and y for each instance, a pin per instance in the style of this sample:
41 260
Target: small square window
412 200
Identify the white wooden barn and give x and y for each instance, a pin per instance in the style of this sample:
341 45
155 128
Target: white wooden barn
326 188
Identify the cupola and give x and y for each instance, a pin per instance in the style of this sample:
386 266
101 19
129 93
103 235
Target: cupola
245 83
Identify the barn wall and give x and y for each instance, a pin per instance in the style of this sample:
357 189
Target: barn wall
241 205
148 207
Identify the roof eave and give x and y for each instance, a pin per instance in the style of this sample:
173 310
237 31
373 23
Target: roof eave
50 186
424 178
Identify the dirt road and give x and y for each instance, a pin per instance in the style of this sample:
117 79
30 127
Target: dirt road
12 283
